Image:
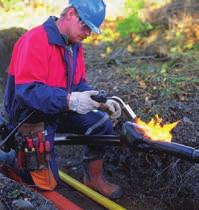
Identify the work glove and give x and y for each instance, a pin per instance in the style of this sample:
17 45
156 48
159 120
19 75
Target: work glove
81 102
114 109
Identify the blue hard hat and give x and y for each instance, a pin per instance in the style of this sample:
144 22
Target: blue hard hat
92 12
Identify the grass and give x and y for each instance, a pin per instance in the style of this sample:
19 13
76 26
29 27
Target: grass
178 75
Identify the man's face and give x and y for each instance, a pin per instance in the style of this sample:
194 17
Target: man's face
77 30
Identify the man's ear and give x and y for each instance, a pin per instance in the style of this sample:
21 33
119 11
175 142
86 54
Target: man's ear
70 13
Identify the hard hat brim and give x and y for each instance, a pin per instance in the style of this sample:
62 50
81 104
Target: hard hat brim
93 28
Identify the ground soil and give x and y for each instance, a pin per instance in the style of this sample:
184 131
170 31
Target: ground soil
150 181
26 198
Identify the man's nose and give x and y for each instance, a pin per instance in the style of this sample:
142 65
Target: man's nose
88 32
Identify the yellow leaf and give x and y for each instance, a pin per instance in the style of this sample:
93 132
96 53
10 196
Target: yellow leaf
142 84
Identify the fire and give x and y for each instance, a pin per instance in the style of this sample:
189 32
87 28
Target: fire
155 130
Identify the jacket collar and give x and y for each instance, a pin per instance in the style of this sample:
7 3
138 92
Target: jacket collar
54 36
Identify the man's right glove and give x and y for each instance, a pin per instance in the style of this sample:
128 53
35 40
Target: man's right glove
112 108
81 102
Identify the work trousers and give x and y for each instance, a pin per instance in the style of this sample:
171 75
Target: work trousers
93 123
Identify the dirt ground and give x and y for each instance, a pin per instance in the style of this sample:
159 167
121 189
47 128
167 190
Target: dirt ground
17 196
150 181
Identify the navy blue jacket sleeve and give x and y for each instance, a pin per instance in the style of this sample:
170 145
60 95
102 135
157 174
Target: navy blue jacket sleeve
83 86
49 100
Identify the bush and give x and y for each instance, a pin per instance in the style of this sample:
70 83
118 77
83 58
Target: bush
132 23
9 4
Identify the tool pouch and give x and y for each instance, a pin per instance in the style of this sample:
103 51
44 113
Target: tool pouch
28 129
36 155
29 149
31 162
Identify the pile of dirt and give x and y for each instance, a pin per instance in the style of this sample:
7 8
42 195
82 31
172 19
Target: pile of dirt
170 181
17 196
150 181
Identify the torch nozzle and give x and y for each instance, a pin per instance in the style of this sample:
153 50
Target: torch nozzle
136 140
125 106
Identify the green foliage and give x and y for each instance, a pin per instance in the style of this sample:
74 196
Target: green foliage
178 75
9 4
134 6
196 46
139 71
132 23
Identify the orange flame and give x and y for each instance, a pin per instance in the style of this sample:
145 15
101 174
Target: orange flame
155 130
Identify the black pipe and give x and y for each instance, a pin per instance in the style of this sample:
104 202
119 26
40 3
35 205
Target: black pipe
136 140
72 139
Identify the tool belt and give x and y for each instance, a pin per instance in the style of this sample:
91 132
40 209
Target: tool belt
33 149
34 153
31 128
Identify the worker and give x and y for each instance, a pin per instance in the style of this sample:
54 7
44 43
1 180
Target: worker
47 75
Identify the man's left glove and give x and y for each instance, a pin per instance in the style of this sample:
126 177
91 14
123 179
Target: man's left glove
113 108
